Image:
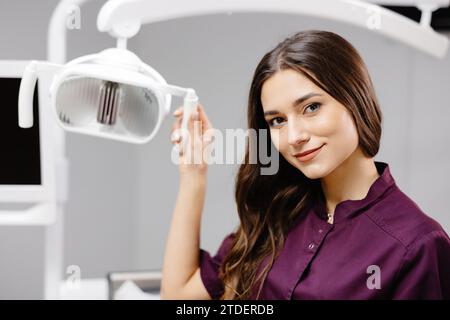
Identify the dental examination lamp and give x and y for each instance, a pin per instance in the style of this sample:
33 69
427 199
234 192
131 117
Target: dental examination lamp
112 94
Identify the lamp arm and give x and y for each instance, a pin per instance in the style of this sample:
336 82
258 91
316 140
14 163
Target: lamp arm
57 30
122 18
190 100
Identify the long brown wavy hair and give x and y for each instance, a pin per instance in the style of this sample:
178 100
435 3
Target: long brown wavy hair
268 205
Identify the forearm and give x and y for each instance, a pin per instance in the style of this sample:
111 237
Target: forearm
181 257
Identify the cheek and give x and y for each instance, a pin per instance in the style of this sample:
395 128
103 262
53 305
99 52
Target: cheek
280 141
342 133
327 124
348 129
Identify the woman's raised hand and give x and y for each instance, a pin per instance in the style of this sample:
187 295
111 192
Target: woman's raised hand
192 145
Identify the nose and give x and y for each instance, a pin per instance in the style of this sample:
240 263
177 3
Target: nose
297 132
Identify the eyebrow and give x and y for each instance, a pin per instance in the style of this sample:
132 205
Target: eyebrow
295 103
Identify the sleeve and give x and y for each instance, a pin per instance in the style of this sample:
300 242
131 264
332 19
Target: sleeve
425 269
209 268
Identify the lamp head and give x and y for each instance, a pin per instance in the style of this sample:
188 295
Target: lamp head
112 95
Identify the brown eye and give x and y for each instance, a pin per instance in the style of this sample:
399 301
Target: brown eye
313 107
274 122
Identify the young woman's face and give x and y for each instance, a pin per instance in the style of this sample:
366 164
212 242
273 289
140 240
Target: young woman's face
303 117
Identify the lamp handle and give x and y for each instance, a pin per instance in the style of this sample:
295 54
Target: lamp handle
190 102
26 90
26 93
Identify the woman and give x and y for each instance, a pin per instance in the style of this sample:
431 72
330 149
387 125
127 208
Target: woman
331 223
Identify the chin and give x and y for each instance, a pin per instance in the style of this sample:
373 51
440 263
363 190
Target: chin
312 170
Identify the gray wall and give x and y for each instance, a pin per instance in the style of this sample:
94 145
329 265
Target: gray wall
122 196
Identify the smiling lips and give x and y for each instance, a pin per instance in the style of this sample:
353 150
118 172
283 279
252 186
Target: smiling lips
308 155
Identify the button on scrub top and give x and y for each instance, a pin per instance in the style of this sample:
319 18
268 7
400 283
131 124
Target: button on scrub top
379 247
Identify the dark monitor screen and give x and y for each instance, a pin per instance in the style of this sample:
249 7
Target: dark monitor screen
20 161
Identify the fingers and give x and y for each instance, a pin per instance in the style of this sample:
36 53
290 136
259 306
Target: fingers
193 130
195 126
202 115
203 133
175 133
188 145
204 118
178 111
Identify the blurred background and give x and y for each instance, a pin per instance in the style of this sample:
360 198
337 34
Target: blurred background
121 196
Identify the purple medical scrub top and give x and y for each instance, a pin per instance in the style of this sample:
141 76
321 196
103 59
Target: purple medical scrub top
379 247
